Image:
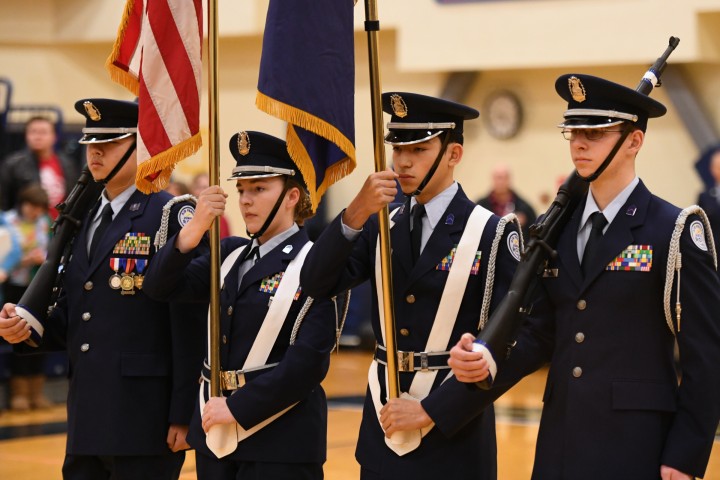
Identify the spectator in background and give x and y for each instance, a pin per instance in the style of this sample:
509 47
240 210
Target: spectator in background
200 182
32 225
9 253
503 200
39 163
709 200
177 188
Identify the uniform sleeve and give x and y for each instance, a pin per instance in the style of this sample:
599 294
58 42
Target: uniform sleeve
335 263
691 435
187 336
454 403
301 369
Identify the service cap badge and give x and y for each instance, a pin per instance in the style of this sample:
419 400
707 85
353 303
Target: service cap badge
92 111
577 90
243 143
398 105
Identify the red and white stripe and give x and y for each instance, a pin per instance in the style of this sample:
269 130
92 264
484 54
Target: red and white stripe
158 57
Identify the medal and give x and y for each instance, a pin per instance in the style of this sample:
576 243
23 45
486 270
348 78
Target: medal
127 282
140 265
114 280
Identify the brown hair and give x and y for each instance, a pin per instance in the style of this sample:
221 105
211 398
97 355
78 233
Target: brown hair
35 195
303 209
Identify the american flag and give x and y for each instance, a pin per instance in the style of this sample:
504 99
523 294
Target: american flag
157 56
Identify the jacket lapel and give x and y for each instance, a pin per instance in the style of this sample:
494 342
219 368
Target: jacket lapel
445 235
275 261
570 264
120 225
619 234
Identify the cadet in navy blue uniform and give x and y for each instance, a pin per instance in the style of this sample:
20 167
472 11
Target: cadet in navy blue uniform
275 340
133 360
435 429
610 314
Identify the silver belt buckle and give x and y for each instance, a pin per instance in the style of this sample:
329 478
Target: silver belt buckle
406 361
424 362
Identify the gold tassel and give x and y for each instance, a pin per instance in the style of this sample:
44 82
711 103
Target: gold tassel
312 123
163 164
117 74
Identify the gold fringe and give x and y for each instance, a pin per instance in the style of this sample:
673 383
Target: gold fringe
163 164
117 74
312 123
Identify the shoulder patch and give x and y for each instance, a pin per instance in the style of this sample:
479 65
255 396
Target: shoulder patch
697 233
513 243
185 214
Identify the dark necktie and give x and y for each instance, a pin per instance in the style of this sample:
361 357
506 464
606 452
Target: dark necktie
598 221
105 221
248 262
418 212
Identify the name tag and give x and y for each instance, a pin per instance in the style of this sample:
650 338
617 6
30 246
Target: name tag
635 258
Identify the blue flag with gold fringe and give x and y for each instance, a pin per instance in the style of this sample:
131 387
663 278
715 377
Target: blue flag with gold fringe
307 78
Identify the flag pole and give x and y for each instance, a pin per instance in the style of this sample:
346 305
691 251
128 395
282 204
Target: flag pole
372 27
214 174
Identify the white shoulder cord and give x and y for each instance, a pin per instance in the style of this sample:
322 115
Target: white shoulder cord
674 261
490 279
162 233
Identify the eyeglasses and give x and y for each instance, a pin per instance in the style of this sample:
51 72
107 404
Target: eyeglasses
592 134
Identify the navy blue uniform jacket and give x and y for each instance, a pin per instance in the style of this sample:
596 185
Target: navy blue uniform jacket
138 374
462 442
300 435
612 404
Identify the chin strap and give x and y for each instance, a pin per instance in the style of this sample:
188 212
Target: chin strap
434 167
119 165
625 132
269 219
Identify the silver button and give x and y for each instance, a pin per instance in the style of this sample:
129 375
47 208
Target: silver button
84 347
577 372
224 339
404 332
410 298
581 305
86 316
230 310
88 286
579 337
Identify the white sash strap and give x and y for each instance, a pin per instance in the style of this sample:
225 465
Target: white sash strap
445 318
222 439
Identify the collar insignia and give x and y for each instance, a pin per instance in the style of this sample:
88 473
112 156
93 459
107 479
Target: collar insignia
398 105
577 90
92 111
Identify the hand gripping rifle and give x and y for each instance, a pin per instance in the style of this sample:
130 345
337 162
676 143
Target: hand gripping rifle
41 295
494 339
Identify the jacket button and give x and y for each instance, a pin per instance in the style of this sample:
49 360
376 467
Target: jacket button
86 316
404 332
581 305
84 347
230 310
88 286
410 298
577 372
224 340
579 337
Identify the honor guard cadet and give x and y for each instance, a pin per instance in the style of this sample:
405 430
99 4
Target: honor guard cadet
451 262
133 360
275 340
634 275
